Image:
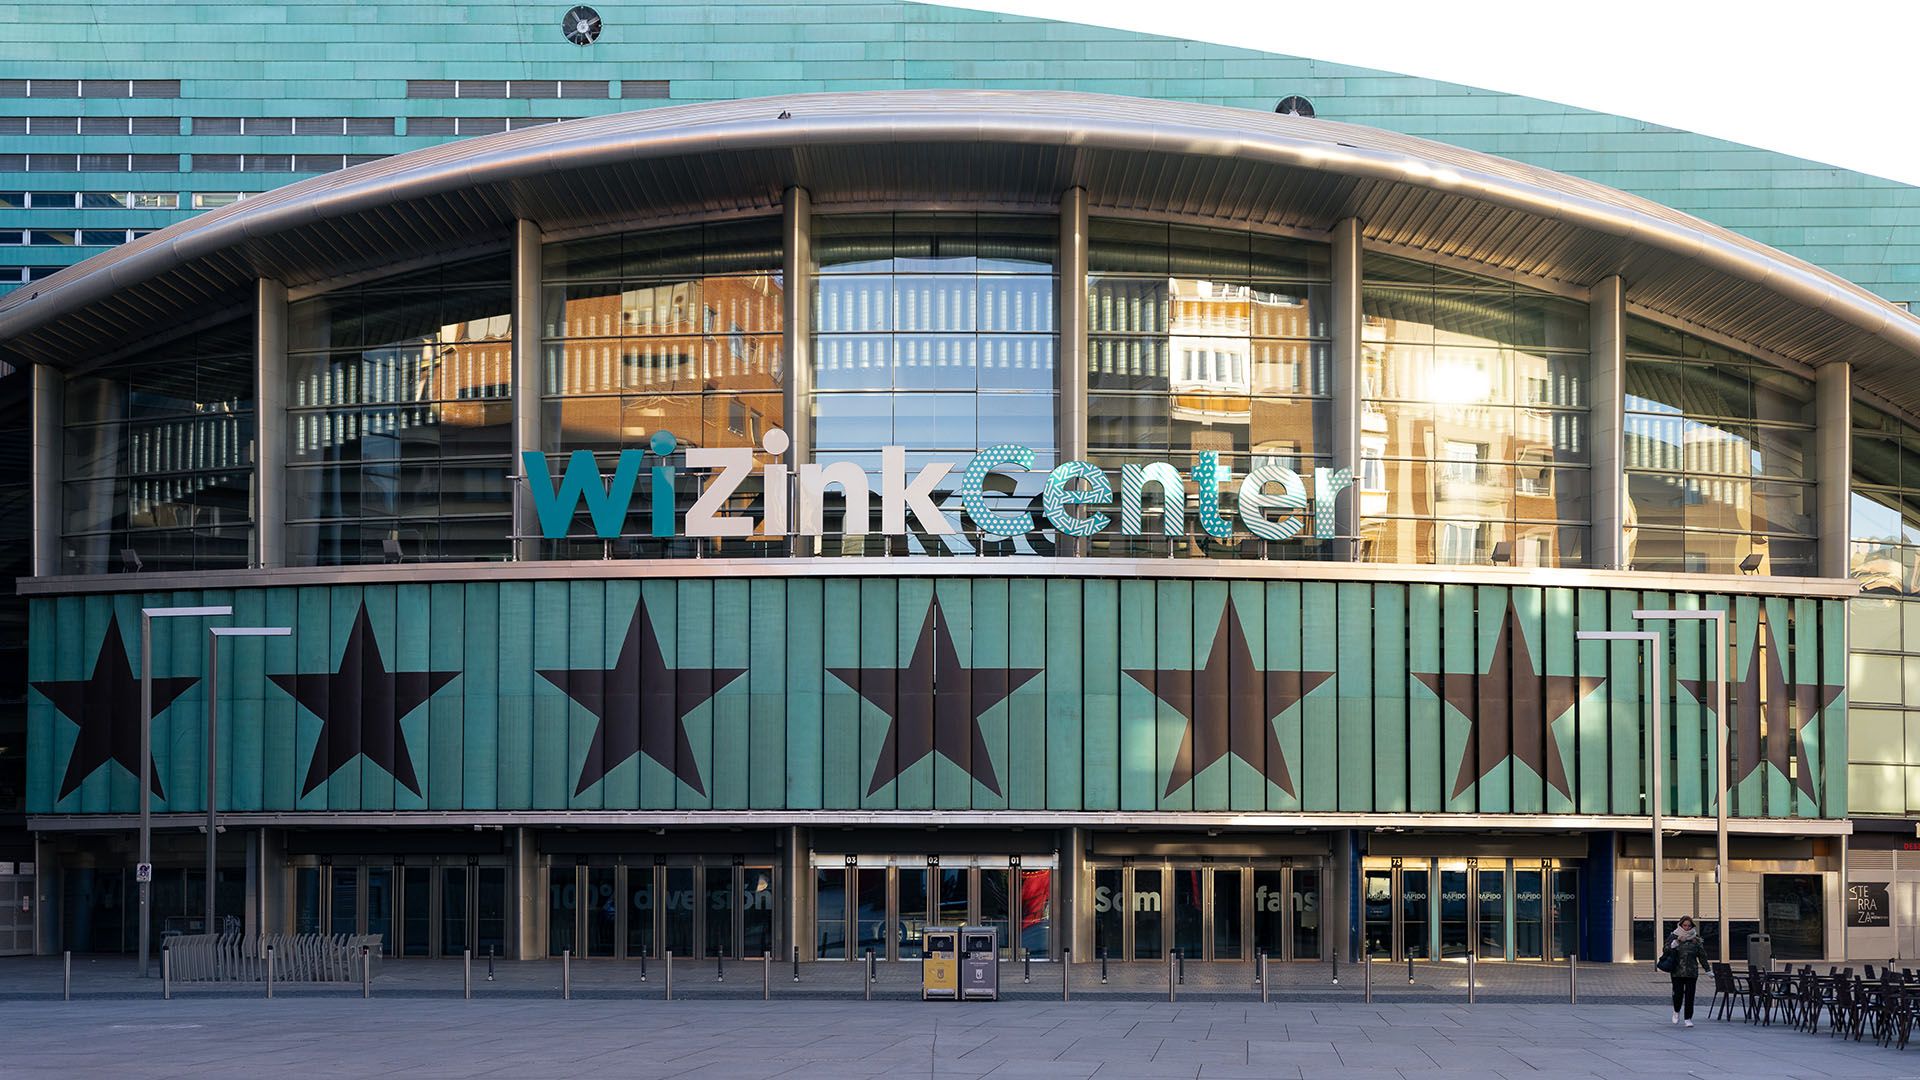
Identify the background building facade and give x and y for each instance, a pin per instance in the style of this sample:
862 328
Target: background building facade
1376 734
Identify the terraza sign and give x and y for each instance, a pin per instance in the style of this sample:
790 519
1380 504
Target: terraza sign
1271 497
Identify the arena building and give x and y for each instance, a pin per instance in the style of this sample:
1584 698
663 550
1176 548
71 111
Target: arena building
780 523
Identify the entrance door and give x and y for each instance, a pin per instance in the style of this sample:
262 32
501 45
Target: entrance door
1381 943
416 911
1455 912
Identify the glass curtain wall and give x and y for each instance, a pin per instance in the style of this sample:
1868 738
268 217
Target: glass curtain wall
399 418
1206 339
669 330
935 332
1885 503
1474 425
1883 706
1719 458
159 458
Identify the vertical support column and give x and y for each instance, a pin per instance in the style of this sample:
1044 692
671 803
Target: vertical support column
796 317
1072 435
49 405
796 232
799 890
1606 405
1346 869
1833 415
527 897
1348 387
270 423
1071 894
268 911
527 434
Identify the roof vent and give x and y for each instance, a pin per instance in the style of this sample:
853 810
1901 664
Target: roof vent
1294 105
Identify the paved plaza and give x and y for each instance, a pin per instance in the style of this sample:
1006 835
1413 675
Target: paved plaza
515 1032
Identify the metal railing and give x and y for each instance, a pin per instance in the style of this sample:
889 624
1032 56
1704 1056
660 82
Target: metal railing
270 958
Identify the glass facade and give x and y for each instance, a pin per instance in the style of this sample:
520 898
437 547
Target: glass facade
1474 427
1883 706
938 332
1205 339
400 418
1719 458
675 330
934 332
1885 511
159 458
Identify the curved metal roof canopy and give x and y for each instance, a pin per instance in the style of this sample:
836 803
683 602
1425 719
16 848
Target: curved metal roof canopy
968 147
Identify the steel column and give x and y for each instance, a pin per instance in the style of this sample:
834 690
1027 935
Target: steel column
1606 402
796 318
270 423
1833 458
1348 383
1073 324
527 434
49 405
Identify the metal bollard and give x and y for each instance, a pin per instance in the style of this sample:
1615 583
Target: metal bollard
1066 971
766 975
1026 970
166 973
643 967
566 974
466 972
366 971
66 976
720 967
1366 969
491 949
1573 979
1264 984
796 963
873 968
1180 962
1409 969
1259 957
1103 966
669 975
1336 965
1172 979
1470 986
269 973
866 984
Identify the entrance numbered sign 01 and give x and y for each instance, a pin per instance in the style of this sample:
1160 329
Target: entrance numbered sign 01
143 873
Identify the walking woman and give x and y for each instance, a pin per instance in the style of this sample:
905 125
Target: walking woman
1687 954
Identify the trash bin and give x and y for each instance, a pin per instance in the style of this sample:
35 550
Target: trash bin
980 963
1760 951
940 963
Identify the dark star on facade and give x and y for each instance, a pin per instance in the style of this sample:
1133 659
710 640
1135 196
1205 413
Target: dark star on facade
933 686
1748 698
1508 715
106 705
640 703
1229 705
360 706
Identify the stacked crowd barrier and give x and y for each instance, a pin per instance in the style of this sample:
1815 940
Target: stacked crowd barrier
295 957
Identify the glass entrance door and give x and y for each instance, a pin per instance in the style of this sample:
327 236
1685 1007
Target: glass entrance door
895 898
1204 912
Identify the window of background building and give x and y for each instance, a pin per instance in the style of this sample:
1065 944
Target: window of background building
1719 458
159 457
399 415
1205 339
671 329
1476 411
935 332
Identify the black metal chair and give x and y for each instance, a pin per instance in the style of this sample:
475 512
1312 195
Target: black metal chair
1725 989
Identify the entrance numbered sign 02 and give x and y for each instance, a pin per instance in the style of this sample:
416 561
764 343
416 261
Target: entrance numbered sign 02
143 873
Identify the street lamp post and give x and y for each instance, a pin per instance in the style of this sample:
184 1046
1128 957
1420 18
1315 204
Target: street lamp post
1722 783
214 634
147 615
1657 784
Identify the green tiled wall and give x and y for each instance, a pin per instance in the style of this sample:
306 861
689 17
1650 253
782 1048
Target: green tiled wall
1418 698
333 59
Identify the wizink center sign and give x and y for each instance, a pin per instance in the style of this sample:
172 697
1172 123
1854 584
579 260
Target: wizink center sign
1075 497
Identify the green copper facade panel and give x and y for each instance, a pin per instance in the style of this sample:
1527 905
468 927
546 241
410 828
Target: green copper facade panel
775 693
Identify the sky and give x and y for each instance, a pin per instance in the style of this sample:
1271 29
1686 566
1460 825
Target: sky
1832 81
